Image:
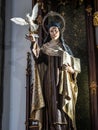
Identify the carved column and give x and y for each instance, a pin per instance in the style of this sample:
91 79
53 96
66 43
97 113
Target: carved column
28 89
92 68
40 20
95 22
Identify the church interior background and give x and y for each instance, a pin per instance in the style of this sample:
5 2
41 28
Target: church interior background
80 34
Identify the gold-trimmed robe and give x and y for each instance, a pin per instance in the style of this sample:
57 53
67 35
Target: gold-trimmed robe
70 89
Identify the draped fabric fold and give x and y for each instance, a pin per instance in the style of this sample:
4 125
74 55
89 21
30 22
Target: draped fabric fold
56 96
37 97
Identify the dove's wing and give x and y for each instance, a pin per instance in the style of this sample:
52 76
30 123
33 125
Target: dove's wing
19 21
34 12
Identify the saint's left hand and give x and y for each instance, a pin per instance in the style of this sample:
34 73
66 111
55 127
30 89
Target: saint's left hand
69 68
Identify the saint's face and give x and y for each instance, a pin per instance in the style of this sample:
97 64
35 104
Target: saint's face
54 32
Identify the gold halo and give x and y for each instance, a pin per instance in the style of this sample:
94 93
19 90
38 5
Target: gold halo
52 14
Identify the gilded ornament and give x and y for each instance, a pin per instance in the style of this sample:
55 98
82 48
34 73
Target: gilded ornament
95 19
89 9
93 86
39 19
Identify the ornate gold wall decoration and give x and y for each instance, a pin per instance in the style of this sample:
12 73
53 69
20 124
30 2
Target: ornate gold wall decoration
89 9
93 87
95 19
39 19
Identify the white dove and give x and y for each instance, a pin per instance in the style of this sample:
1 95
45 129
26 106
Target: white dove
29 20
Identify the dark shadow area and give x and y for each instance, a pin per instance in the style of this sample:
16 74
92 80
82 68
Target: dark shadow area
2 32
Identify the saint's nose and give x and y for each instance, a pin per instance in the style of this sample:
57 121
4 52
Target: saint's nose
54 32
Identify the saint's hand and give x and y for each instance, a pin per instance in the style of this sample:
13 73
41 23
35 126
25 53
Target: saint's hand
69 68
30 37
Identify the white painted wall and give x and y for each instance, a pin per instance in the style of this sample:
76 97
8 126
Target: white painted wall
16 48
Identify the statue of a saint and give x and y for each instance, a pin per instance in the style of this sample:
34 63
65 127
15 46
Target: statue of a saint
55 88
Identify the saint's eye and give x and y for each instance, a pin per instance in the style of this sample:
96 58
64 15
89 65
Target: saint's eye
51 31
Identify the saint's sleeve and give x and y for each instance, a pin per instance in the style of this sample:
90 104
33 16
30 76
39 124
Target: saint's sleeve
40 58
